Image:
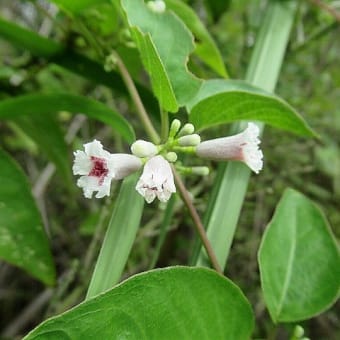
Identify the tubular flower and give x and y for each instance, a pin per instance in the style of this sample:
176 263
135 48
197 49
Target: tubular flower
242 147
157 180
98 167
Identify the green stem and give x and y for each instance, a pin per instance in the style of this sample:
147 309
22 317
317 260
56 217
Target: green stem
164 125
197 222
263 71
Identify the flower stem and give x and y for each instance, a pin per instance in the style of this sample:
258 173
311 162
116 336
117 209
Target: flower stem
143 116
197 221
150 130
164 124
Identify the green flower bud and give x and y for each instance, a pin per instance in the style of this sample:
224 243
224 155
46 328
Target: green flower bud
157 6
175 126
142 148
189 140
200 170
187 129
171 157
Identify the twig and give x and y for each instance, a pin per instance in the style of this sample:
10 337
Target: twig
27 314
327 8
143 116
197 221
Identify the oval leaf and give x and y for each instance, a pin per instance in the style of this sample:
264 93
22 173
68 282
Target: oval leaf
171 303
172 43
225 101
45 103
206 48
23 242
299 261
159 79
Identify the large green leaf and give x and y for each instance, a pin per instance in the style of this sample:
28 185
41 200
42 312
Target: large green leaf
206 48
45 103
163 40
299 260
23 242
171 303
159 78
225 101
119 238
26 39
48 135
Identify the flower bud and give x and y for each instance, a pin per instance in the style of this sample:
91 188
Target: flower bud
189 140
175 126
200 170
157 6
171 157
142 148
299 331
187 129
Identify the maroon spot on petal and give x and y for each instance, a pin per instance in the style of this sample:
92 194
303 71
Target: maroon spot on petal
99 168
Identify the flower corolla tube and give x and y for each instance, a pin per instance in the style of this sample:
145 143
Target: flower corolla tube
242 147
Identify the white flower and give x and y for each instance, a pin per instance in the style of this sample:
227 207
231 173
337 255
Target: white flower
98 167
242 147
141 148
157 180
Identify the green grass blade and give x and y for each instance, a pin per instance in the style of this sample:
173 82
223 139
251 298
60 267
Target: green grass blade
263 71
119 238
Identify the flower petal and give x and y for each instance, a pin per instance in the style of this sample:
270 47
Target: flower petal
156 180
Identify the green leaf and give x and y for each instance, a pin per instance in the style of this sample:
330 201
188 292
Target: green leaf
72 61
165 42
225 101
170 303
299 260
29 40
46 132
23 242
76 6
46 103
160 82
206 48
119 238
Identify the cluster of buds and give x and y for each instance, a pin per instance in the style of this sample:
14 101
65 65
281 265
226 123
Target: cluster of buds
98 167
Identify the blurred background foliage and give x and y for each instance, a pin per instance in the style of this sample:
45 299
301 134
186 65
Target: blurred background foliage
309 80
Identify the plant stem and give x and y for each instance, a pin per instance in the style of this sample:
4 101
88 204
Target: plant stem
155 138
164 124
197 222
143 116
